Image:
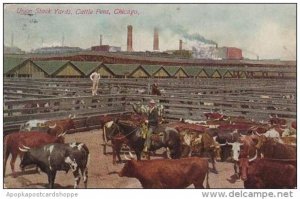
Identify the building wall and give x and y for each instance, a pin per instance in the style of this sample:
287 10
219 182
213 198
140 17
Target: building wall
104 48
234 53
216 74
180 73
69 71
202 74
161 73
104 73
227 75
139 73
28 69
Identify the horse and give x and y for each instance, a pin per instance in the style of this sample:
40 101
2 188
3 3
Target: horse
133 133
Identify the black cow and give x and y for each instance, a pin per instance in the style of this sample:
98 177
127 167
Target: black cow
223 137
55 157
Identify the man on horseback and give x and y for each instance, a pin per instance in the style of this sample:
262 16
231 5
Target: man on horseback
152 123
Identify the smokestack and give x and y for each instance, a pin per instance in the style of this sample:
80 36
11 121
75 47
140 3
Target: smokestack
180 44
100 40
156 40
129 38
12 40
63 40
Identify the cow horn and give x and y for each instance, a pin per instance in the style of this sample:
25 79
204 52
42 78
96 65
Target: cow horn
62 134
52 127
131 155
125 157
23 150
26 147
257 133
252 159
72 116
224 144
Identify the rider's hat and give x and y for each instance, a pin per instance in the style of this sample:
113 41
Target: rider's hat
152 101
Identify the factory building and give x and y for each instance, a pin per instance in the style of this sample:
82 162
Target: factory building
57 50
106 48
229 53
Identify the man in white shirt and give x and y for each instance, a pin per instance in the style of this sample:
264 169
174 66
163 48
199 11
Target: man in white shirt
95 77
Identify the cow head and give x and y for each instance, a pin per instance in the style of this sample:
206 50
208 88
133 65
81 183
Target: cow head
236 147
27 158
128 169
60 138
244 164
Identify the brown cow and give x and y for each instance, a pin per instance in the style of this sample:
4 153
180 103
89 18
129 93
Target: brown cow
268 174
271 148
33 139
167 173
294 125
214 116
57 127
275 120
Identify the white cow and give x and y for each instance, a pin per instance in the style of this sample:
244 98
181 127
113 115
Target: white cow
32 124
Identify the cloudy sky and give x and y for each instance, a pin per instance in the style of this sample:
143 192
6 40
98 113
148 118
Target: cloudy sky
267 30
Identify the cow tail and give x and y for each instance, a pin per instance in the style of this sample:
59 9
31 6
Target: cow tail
104 134
88 161
88 155
207 184
6 152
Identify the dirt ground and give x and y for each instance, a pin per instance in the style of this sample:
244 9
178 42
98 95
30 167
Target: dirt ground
102 171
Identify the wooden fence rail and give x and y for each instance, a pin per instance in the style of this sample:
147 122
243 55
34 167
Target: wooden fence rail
182 98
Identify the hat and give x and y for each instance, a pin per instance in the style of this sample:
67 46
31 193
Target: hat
152 101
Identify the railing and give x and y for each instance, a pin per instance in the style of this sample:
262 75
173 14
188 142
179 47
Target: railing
182 98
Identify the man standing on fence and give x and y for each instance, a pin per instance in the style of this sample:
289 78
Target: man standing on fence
95 77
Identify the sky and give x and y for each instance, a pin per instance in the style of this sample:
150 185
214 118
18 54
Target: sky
266 30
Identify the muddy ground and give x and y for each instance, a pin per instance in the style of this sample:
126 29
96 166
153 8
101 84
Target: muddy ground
102 173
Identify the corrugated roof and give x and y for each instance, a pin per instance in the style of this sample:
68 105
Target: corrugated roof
50 66
140 67
122 69
151 69
209 71
192 70
172 69
66 67
222 71
86 67
12 62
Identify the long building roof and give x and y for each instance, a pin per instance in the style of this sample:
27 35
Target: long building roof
91 55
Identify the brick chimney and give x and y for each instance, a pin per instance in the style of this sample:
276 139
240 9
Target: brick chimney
129 38
155 40
180 44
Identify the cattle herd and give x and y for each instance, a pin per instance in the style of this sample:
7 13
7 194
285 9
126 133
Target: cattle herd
263 154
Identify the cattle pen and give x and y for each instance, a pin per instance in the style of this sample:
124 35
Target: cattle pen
189 98
256 99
